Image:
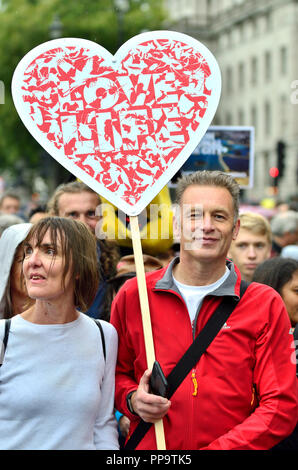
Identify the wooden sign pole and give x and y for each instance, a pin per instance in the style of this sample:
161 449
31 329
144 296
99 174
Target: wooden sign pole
147 328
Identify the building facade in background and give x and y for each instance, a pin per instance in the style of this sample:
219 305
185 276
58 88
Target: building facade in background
255 44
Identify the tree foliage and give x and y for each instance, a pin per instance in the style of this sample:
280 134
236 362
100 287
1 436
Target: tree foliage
27 23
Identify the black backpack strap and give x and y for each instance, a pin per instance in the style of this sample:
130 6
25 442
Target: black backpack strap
102 337
191 357
5 339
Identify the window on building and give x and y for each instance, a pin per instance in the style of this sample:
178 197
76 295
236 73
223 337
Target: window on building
255 27
229 76
283 114
209 7
229 120
268 66
254 118
241 75
254 70
241 31
267 118
283 60
217 120
268 21
223 41
230 38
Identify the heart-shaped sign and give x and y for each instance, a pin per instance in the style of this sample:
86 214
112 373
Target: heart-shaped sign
123 124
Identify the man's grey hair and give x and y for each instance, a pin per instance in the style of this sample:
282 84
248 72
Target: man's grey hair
6 220
210 178
285 222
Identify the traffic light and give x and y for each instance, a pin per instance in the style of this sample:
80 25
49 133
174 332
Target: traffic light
281 155
274 173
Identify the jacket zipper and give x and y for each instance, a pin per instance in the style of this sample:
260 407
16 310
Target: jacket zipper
195 383
193 392
193 372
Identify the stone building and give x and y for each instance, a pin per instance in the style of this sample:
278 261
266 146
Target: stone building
255 43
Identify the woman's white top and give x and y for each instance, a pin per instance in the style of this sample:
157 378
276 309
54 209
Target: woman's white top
56 389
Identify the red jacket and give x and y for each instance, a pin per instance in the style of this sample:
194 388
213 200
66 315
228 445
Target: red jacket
247 386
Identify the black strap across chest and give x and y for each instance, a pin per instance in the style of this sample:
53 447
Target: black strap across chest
191 357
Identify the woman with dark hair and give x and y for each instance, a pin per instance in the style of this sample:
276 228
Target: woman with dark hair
57 376
282 275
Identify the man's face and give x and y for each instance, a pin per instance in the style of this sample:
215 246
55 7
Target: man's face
80 206
207 224
248 251
10 205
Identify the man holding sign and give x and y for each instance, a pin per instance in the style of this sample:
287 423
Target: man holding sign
242 393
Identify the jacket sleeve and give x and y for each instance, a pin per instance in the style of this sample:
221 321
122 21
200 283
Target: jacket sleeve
125 375
276 384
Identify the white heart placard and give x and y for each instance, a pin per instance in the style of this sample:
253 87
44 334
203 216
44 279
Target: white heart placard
123 124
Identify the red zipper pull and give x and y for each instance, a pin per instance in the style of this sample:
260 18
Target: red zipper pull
195 383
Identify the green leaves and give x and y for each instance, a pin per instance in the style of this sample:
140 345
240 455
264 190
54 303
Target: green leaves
27 23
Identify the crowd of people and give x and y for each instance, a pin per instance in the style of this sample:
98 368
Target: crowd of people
69 301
